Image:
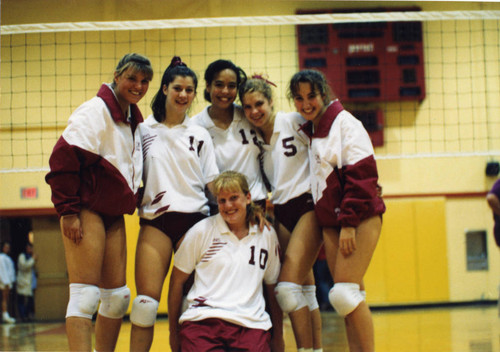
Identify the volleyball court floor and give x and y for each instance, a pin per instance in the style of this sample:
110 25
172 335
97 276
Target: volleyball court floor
443 329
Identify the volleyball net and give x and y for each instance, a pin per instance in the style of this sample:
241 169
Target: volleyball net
47 70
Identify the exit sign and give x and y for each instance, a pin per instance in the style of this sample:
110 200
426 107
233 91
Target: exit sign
29 192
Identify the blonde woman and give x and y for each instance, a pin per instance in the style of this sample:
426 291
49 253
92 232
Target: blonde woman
95 174
231 260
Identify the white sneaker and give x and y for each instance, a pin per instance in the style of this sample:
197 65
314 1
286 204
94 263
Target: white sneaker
8 319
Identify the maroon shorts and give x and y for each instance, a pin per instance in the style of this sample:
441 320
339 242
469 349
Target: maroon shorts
289 213
174 224
219 335
109 220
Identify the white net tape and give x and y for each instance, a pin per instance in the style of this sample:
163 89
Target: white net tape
251 21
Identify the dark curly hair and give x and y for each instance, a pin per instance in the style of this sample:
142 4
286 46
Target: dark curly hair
215 67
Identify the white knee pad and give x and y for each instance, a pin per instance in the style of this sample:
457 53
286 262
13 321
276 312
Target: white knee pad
83 300
144 309
114 302
309 292
345 297
290 296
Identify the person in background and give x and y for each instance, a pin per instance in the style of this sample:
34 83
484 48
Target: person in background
179 163
323 280
493 199
286 167
25 269
344 183
236 143
95 174
31 303
7 281
231 259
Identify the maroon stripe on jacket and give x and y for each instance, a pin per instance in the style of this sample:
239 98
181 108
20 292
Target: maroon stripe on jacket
327 119
79 178
109 98
353 202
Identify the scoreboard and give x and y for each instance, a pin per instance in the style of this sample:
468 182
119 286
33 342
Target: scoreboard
366 62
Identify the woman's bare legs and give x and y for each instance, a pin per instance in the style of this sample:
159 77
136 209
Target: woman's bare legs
84 263
301 250
152 261
113 275
315 314
351 269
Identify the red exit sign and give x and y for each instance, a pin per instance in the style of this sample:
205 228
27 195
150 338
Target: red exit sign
29 192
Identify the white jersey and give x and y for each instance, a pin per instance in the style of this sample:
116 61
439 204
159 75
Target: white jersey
228 272
25 266
7 271
178 163
236 148
286 159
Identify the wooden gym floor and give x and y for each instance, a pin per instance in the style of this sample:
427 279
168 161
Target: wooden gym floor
454 329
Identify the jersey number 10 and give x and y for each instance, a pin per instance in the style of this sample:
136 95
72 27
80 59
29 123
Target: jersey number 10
262 257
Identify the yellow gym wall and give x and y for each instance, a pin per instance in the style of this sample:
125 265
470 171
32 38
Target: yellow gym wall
405 268
421 256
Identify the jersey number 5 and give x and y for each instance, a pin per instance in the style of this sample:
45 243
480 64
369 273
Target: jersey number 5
288 145
262 257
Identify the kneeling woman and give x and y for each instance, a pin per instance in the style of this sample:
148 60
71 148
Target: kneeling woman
231 259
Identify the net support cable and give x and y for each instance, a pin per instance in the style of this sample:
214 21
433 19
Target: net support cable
250 21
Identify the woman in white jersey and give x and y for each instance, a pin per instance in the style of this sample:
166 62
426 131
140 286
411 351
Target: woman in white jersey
95 174
236 142
344 184
179 163
286 165
231 259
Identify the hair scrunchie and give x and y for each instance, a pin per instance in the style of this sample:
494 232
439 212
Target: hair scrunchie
256 76
176 61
